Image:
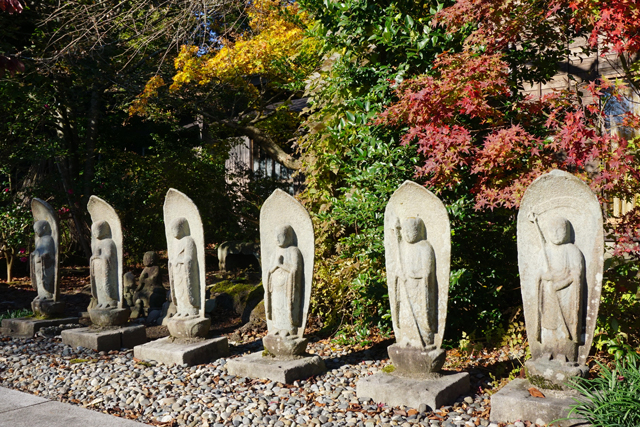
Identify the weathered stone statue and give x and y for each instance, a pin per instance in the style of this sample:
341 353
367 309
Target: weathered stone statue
418 247
284 284
185 243
44 260
287 250
417 243
150 293
287 243
105 264
560 257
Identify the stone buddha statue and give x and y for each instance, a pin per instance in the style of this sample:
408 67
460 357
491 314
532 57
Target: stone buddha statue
283 304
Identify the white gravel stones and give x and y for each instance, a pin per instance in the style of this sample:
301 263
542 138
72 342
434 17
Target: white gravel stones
206 395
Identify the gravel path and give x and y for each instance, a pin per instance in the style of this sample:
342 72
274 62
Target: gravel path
206 395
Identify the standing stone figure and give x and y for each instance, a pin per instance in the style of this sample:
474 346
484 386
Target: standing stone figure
185 244
414 283
183 270
107 287
44 260
417 247
560 258
287 249
284 284
560 282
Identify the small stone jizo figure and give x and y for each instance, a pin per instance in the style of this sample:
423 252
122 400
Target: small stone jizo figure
283 303
415 286
287 249
417 242
183 271
108 307
185 244
560 261
44 260
104 266
150 293
560 282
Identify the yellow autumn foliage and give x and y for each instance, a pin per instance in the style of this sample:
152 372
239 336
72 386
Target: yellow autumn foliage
276 47
270 49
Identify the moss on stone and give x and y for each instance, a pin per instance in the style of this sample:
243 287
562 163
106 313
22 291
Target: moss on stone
542 382
388 369
231 288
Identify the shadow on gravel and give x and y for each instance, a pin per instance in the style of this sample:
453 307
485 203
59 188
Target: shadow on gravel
376 352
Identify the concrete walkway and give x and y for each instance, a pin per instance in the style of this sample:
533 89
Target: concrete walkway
19 409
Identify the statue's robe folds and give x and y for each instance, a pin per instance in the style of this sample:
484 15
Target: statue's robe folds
284 289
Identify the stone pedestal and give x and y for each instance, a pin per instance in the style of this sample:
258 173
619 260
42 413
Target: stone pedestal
194 351
514 403
395 390
287 371
285 347
109 317
47 307
105 339
554 373
415 360
187 328
26 327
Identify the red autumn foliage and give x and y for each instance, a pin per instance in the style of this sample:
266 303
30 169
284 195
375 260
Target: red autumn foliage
470 127
10 6
615 21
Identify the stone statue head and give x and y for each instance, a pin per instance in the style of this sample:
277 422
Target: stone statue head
558 230
413 230
150 258
101 230
42 228
180 228
284 236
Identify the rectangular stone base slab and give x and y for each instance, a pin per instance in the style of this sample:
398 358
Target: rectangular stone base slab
514 403
26 327
395 390
105 339
284 371
168 350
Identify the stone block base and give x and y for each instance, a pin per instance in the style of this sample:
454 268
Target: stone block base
285 371
514 403
106 339
26 327
191 352
396 390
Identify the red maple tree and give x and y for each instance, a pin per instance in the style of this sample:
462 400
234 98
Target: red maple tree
471 123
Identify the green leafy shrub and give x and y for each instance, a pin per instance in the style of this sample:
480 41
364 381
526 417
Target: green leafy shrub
612 399
14 314
618 326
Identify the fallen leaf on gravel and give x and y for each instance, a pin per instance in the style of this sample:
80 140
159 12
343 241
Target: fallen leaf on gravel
535 392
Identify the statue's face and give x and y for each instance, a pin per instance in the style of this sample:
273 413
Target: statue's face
149 258
180 228
101 230
413 230
284 236
42 228
558 230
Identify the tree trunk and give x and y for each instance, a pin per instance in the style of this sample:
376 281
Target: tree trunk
9 259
